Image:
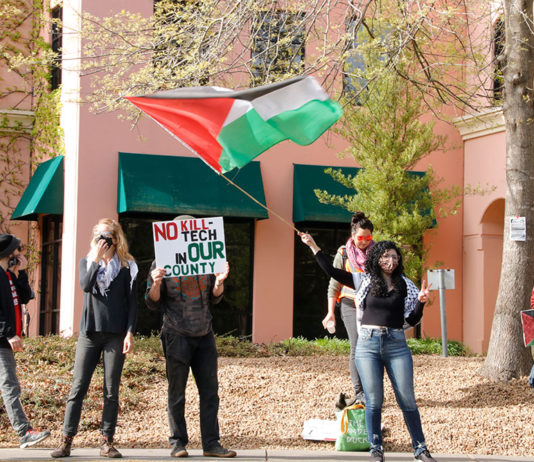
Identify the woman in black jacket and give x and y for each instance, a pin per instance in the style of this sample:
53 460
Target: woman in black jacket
107 277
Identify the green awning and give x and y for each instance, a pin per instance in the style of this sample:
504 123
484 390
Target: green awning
306 206
44 193
186 185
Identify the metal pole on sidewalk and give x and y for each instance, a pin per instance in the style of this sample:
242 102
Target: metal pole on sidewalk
442 280
442 310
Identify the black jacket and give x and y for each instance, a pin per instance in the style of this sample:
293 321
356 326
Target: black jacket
7 311
24 291
114 312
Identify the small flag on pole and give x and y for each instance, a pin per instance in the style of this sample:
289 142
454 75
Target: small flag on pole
527 319
228 129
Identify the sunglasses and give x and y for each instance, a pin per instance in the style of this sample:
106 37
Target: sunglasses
364 238
103 233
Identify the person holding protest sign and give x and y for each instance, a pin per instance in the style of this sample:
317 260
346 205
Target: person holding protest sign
351 257
107 277
188 342
387 300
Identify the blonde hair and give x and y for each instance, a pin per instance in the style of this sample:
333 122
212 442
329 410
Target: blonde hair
121 246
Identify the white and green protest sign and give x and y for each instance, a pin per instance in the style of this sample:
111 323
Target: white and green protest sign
190 247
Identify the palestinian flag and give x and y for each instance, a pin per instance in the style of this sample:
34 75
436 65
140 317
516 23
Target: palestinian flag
527 319
228 128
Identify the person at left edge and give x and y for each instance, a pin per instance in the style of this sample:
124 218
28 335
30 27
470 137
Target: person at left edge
14 291
22 291
107 277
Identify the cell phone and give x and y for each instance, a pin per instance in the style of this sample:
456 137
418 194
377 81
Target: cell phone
13 261
108 240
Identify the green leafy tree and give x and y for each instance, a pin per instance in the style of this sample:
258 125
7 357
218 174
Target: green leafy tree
387 139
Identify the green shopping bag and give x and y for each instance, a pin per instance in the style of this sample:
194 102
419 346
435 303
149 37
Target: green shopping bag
353 432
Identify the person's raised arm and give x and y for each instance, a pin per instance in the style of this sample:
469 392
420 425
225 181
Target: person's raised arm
89 268
218 287
155 279
340 275
417 313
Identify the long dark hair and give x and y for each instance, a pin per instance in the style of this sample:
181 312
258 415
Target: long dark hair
359 220
378 284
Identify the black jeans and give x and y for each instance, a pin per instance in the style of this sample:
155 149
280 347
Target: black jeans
90 348
199 354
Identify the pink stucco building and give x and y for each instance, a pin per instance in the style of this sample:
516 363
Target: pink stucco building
110 170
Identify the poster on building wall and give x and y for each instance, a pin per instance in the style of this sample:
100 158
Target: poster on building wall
190 247
518 229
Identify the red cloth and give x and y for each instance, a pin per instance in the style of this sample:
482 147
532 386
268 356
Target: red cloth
18 317
532 301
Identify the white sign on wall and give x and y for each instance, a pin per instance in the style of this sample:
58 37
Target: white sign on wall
190 247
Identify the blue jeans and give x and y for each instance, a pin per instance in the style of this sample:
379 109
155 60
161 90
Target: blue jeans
89 349
10 387
386 348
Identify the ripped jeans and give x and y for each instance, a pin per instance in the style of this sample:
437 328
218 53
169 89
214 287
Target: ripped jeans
380 348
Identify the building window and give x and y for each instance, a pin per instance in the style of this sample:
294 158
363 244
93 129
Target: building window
177 41
56 44
353 84
234 314
310 283
277 46
50 275
498 56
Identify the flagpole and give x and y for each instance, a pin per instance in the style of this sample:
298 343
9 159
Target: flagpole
228 179
260 204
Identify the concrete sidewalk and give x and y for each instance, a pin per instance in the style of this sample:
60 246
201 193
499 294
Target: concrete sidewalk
255 455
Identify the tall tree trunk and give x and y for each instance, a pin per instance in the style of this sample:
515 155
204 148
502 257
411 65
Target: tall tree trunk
507 357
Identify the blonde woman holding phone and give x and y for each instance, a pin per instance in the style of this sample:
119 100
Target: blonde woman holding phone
107 276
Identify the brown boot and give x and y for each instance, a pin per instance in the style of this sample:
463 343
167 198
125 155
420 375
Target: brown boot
64 448
108 450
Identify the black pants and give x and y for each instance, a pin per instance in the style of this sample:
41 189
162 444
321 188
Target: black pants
90 348
199 354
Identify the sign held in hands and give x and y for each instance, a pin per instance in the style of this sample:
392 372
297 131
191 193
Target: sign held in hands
190 247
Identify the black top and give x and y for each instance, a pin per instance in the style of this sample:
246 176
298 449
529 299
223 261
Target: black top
114 312
389 311
378 311
7 309
24 291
